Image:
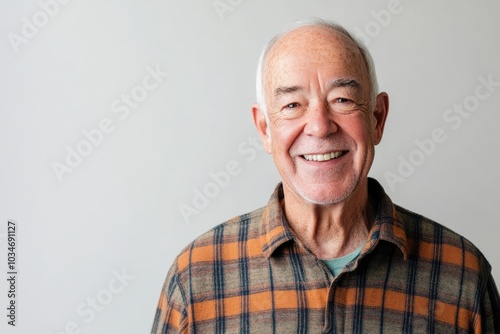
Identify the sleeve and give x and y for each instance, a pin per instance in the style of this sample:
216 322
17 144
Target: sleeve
490 308
171 314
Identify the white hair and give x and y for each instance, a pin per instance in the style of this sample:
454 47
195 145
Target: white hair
315 23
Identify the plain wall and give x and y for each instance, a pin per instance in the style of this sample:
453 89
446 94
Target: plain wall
116 212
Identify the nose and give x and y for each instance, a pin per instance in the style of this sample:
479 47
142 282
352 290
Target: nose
319 122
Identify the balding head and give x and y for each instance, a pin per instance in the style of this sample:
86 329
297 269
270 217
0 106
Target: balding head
309 36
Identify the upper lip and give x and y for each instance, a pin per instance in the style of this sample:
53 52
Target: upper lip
323 152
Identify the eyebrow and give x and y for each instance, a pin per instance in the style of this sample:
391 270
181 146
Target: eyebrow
287 90
344 82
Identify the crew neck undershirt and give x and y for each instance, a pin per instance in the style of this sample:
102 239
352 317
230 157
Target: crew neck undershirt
336 265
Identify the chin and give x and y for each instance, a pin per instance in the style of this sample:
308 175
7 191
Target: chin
325 194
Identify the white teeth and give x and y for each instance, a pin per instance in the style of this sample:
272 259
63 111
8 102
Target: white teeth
322 157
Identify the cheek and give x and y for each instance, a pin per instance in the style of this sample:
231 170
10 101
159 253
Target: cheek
280 141
284 135
361 129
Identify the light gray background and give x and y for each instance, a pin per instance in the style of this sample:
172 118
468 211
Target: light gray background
119 209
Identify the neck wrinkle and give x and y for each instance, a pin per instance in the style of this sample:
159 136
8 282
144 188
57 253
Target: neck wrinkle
330 231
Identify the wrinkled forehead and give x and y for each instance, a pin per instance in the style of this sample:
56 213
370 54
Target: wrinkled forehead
313 47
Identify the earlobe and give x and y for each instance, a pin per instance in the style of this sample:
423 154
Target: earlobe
380 116
261 123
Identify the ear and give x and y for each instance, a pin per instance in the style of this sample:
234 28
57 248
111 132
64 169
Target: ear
379 116
261 123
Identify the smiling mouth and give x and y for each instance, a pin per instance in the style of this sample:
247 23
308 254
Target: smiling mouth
323 157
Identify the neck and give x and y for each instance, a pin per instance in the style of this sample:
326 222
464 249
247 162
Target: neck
334 230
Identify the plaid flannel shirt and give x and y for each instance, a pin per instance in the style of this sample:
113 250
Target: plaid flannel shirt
251 275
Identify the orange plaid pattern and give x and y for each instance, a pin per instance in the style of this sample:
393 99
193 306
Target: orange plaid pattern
250 275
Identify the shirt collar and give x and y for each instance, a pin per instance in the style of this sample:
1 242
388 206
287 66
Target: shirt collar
275 231
387 225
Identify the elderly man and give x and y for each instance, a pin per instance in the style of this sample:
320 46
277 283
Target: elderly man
330 253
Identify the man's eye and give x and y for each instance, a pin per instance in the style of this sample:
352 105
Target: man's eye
292 105
342 105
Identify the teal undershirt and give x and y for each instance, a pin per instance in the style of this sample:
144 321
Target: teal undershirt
336 265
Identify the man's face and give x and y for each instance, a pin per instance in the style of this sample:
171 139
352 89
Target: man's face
322 129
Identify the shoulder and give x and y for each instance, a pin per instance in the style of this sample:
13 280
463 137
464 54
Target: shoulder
433 241
228 234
